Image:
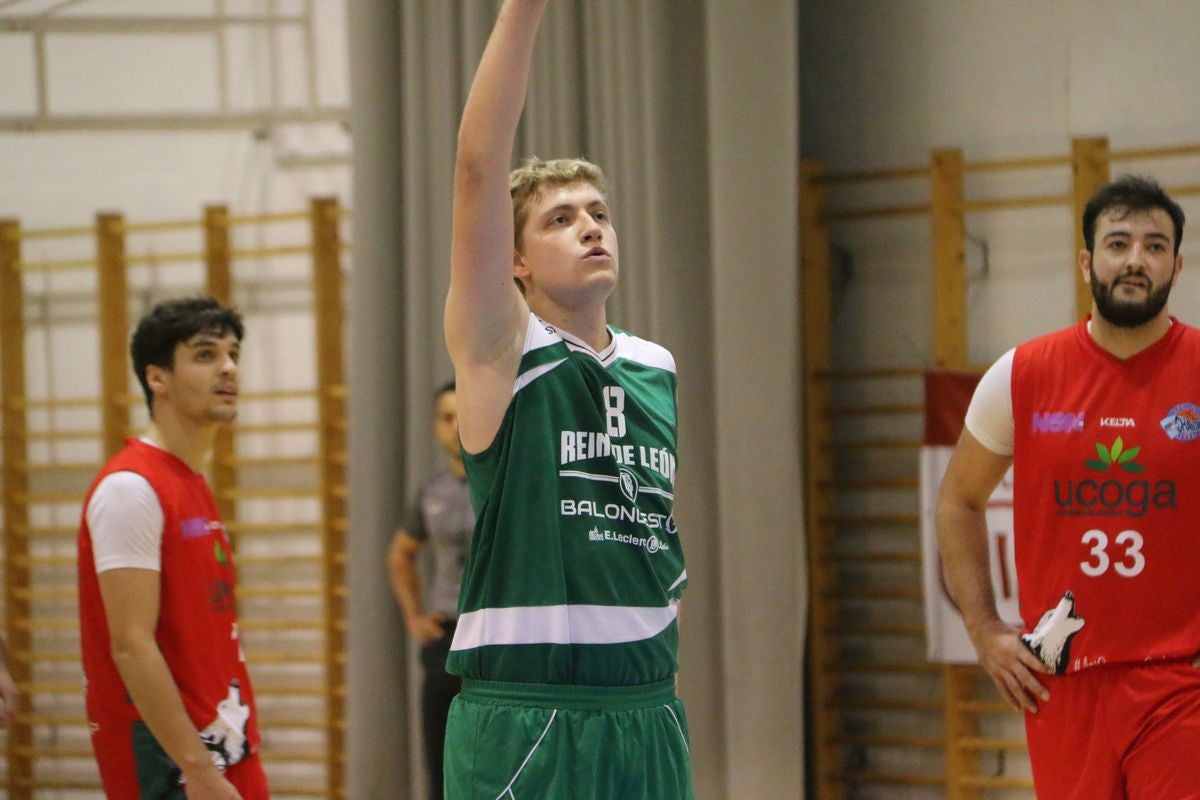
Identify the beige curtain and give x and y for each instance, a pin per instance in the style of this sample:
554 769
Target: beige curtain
691 108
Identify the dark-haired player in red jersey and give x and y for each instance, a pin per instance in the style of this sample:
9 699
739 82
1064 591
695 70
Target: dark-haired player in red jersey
169 701
1100 424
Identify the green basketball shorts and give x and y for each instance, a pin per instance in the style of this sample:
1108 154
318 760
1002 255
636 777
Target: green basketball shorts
520 741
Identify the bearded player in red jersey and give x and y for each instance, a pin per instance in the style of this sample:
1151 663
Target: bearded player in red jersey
169 700
1100 424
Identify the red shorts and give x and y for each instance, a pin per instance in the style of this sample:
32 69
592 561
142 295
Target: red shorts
133 764
1120 732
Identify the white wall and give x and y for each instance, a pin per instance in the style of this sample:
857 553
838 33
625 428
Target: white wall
884 81
51 178
54 174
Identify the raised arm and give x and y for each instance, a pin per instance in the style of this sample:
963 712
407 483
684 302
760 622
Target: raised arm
971 477
486 315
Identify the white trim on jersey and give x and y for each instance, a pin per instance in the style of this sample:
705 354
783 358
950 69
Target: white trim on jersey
592 476
577 345
562 624
623 345
529 376
644 352
682 577
990 415
125 519
539 334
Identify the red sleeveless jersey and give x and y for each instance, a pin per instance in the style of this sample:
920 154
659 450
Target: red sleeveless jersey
197 622
1107 497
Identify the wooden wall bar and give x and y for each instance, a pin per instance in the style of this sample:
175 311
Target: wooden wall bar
824 754
1090 166
218 269
331 393
114 330
16 504
947 209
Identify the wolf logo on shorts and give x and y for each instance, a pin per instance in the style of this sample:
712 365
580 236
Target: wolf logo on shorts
225 736
1050 640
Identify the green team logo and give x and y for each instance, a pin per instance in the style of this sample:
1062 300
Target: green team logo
629 484
219 552
1115 454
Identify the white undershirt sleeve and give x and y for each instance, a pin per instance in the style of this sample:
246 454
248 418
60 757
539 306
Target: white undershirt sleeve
125 519
990 415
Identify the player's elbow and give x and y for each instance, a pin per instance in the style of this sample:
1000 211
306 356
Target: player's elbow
399 557
961 491
395 561
127 647
950 509
953 503
477 163
471 163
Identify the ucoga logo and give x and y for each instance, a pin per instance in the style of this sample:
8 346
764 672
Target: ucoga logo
1113 497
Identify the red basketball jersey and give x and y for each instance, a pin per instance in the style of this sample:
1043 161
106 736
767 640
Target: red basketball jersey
197 624
1107 497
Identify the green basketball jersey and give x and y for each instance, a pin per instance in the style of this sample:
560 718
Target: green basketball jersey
575 570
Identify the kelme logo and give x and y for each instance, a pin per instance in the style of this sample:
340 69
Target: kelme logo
1115 454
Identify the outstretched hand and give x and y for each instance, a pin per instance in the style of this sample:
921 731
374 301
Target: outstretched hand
208 783
426 628
1011 665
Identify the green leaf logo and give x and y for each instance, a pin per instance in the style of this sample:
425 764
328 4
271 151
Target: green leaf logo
1115 454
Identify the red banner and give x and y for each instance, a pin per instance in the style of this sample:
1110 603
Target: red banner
947 395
